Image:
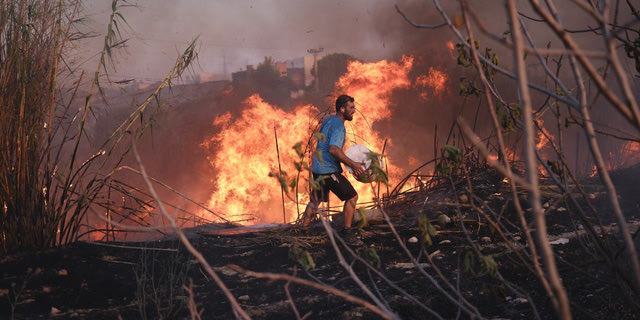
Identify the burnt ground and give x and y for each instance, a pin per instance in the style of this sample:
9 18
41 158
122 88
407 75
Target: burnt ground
112 281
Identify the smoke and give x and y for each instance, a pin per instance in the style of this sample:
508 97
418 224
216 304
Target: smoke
234 34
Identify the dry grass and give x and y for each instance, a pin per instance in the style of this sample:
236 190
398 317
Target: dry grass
47 185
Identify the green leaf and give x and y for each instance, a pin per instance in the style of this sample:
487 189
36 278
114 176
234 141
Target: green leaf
298 148
303 257
372 257
426 229
363 218
454 154
293 183
491 267
506 123
442 220
468 261
443 169
377 173
431 230
319 156
314 185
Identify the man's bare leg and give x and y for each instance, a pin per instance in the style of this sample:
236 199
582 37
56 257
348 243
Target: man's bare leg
349 209
309 212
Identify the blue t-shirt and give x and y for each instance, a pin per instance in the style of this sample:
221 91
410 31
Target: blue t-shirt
334 132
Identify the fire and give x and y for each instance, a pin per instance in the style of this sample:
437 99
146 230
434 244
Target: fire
435 79
627 155
452 49
244 152
544 137
371 85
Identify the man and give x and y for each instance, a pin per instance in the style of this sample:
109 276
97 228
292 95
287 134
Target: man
328 170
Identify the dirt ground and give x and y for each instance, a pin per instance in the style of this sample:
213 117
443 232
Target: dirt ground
113 280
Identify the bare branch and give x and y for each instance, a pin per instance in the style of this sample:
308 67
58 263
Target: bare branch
559 297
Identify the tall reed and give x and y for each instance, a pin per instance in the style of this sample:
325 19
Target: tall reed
32 34
47 185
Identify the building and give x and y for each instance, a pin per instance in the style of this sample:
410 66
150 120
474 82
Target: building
297 69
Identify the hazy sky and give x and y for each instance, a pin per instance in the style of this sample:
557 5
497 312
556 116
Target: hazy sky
236 33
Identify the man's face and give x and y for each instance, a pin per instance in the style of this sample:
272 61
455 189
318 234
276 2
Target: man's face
348 110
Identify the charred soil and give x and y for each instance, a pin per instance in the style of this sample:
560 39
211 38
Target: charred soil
148 280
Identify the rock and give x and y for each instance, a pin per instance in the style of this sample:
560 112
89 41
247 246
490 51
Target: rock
226 271
409 265
373 216
444 219
560 241
496 196
413 240
519 300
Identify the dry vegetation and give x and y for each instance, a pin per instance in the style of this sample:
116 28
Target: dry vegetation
49 185
48 190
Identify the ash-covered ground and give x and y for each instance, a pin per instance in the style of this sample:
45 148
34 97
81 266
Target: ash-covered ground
446 279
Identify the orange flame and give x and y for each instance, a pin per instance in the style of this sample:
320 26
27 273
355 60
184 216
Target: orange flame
246 154
452 49
544 137
435 79
627 155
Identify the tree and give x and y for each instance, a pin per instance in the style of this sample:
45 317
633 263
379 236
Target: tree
265 80
331 67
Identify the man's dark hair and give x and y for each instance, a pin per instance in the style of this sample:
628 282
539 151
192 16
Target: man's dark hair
342 101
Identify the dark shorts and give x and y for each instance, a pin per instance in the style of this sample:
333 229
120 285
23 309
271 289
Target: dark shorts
336 183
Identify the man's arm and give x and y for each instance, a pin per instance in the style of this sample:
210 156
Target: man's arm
336 152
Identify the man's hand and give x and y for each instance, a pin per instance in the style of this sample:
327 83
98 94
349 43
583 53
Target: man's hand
357 167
